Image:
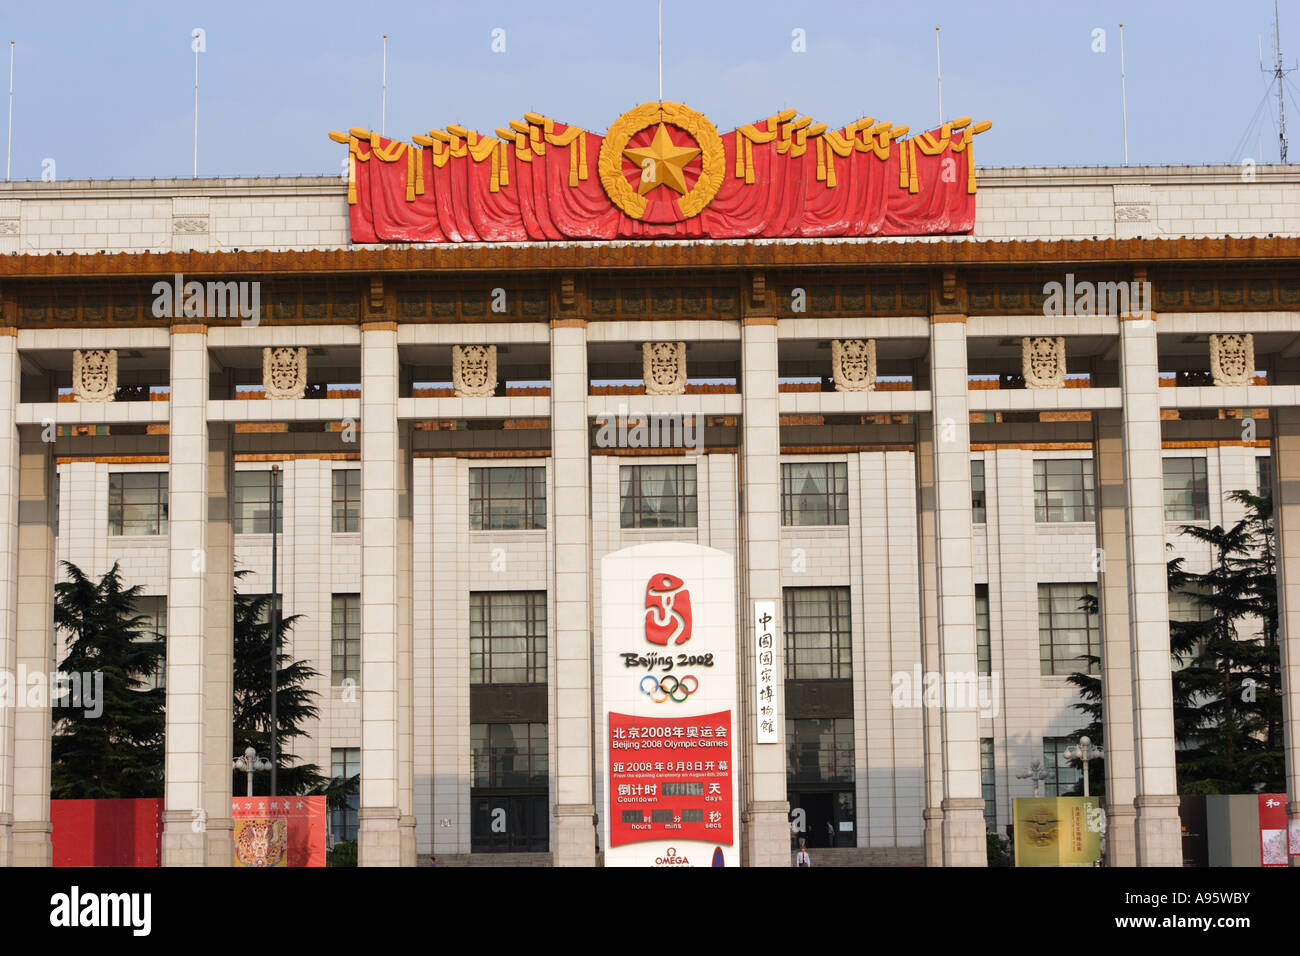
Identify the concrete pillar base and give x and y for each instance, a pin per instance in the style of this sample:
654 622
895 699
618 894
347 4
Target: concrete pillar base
221 842
378 839
1159 831
32 844
6 839
184 840
406 840
575 835
933 817
766 840
1121 835
965 842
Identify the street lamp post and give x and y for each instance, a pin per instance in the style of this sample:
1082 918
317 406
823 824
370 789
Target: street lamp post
1035 773
1085 751
275 614
249 762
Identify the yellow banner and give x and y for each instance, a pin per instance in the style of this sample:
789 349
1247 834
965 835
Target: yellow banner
1055 831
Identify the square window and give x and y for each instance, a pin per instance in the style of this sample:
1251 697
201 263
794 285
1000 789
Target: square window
256 493
814 493
1067 630
507 637
657 496
345 638
345 763
345 501
1063 490
1187 496
818 634
507 499
137 503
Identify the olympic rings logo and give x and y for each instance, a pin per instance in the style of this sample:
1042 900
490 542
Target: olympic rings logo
659 685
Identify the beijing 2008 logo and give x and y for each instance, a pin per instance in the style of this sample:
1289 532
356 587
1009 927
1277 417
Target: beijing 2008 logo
668 610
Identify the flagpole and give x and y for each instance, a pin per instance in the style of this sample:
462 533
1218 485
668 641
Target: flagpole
661 51
196 108
9 141
383 91
938 65
1123 91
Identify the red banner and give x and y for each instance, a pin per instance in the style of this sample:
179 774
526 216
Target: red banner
284 831
106 832
670 778
662 171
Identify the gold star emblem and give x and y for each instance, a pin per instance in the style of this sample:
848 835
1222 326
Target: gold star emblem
662 163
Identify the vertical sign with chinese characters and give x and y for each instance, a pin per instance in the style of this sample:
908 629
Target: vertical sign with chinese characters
765 670
668 662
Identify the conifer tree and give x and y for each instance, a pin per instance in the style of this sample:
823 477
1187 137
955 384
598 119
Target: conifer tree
119 752
295 703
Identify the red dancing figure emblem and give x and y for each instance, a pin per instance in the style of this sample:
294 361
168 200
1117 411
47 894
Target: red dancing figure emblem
668 610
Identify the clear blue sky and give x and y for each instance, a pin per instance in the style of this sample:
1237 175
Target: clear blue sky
105 89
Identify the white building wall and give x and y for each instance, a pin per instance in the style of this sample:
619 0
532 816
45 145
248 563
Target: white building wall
311 212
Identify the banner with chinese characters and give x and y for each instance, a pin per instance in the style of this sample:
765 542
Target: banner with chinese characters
662 170
280 831
1058 831
1273 830
670 779
766 699
668 658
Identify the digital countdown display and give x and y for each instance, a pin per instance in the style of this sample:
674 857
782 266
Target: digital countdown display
670 777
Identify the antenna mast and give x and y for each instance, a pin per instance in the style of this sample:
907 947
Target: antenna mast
1279 74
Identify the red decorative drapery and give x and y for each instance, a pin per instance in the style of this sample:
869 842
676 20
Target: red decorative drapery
782 177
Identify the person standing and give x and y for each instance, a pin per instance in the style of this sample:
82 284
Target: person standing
830 833
802 859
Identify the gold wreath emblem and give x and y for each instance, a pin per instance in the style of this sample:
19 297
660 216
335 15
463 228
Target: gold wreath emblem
712 156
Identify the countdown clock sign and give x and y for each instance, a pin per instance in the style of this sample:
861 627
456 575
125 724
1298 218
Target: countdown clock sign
668 633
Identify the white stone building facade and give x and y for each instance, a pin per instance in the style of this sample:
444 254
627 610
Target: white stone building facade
387 460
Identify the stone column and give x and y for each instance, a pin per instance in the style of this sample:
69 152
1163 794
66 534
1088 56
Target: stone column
378 842
185 793
447 601
422 714
765 815
35 628
1158 830
219 659
574 841
932 812
964 842
1286 510
10 382
405 657
1117 668
1013 615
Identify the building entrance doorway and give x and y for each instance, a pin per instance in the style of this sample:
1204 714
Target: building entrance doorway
827 817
